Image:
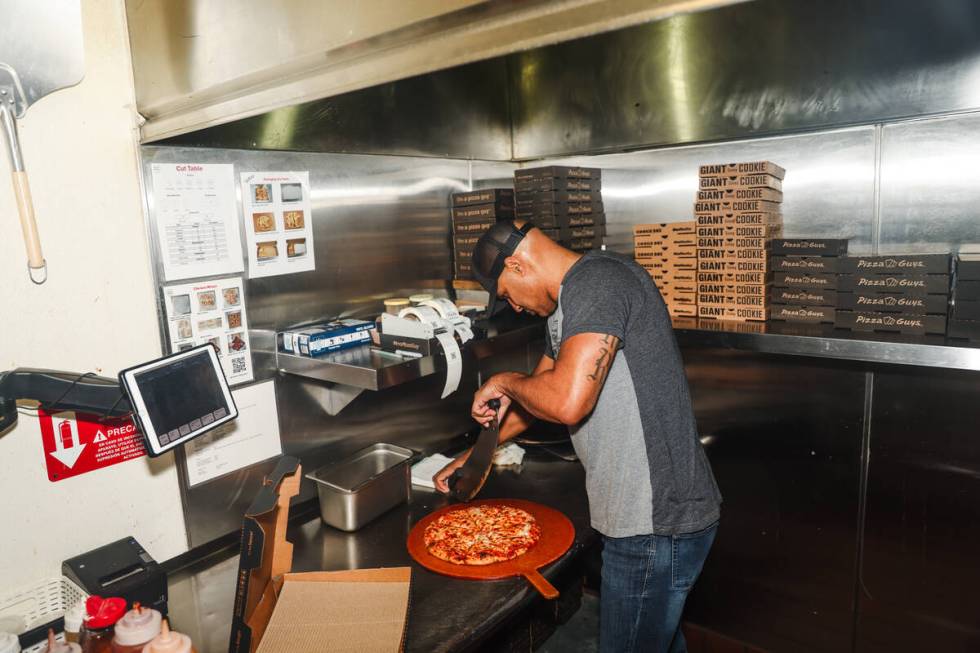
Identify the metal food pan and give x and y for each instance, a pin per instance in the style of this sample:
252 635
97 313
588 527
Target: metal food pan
361 487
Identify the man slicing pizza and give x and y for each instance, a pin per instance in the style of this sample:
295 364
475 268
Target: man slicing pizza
612 372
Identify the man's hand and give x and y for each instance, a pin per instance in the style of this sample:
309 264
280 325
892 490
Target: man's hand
441 479
492 389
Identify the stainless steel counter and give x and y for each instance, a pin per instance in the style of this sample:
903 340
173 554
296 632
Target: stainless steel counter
445 614
824 341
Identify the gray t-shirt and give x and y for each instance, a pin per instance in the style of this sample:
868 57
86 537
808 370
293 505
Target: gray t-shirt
645 469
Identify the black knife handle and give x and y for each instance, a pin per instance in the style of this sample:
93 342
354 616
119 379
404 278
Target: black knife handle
494 404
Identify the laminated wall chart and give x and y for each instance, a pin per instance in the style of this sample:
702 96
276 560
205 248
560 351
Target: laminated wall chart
196 219
278 223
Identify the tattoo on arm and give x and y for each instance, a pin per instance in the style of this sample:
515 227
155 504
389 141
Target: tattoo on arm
603 358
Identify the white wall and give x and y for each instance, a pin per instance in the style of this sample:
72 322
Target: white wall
95 313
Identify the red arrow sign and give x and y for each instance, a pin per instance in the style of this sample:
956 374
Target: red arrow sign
76 443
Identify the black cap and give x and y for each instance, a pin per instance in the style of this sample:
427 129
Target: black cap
493 248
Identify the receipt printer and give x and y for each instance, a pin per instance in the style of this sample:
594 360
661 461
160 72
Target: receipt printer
122 569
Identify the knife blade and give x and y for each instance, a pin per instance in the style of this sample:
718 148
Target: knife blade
466 482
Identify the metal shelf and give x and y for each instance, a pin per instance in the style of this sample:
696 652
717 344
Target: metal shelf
823 341
372 369
361 367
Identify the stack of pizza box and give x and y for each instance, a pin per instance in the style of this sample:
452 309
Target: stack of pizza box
738 211
474 212
668 251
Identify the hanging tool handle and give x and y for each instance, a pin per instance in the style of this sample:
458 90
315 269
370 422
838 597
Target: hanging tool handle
22 193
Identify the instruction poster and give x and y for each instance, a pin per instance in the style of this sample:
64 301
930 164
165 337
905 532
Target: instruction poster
197 219
212 312
76 443
278 223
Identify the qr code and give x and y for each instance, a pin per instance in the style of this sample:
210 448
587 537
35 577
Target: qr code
238 365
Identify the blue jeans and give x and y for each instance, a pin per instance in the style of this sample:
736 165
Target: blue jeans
645 582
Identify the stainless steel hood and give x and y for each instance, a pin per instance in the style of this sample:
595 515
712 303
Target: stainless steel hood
200 63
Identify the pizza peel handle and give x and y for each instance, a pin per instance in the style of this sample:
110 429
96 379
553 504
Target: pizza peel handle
546 589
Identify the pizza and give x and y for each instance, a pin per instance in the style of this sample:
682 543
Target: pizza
481 535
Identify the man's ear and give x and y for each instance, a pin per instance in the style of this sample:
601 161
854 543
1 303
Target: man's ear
513 264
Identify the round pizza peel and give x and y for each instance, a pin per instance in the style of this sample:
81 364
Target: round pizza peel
557 535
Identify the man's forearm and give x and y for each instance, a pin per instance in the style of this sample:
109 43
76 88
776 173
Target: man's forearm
539 394
516 421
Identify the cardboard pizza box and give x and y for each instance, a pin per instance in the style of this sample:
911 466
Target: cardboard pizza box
673 274
682 310
483 211
962 310
687 227
724 207
740 181
806 280
545 184
725 265
809 247
732 289
732 194
276 611
764 231
732 219
883 302
530 198
733 255
474 226
731 313
466 242
802 314
558 172
537 210
890 322
964 330
917 284
582 219
731 325
897 264
967 289
808 264
484 196
742 168
733 301
968 267
730 278
803 296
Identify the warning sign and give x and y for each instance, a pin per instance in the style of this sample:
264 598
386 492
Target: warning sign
76 443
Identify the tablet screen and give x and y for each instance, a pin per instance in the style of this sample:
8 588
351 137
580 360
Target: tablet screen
179 397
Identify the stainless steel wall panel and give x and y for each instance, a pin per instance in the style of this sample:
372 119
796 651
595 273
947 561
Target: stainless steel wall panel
929 184
828 190
197 63
461 112
920 573
381 228
757 68
781 573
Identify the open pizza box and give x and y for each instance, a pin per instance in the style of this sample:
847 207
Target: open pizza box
278 611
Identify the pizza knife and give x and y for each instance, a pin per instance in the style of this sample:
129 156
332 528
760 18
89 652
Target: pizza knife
465 482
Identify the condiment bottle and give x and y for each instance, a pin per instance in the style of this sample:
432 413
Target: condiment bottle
9 643
102 617
135 629
169 641
54 646
73 622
